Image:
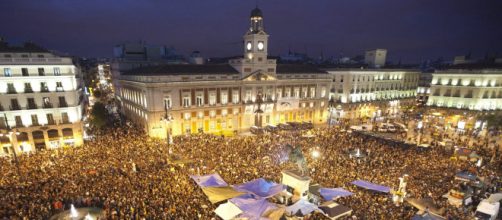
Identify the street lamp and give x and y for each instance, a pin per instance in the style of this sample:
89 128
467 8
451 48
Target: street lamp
258 111
331 106
167 118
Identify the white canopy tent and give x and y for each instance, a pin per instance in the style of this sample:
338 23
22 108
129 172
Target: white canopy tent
227 211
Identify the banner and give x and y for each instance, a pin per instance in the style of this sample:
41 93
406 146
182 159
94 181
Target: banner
287 104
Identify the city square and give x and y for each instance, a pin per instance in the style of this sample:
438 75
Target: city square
149 133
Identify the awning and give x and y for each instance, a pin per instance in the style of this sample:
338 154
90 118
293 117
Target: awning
209 180
253 208
371 186
218 194
331 193
227 211
261 188
301 207
334 210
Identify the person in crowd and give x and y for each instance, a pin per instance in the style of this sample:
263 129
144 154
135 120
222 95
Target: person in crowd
131 176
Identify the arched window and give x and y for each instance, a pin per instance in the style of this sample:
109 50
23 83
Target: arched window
23 136
37 135
67 132
53 133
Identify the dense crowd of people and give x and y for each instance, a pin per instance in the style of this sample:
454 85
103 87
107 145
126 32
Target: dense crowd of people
131 176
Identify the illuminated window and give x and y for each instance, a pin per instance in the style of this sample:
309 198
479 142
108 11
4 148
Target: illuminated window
186 115
57 71
235 96
186 101
7 72
167 102
212 99
198 100
224 98
296 92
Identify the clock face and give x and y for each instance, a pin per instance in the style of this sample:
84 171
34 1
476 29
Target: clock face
249 46
260 45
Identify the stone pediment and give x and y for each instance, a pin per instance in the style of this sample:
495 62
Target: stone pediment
259 75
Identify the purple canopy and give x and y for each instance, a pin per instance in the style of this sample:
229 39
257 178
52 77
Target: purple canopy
260 187
330 193
210 180
252 208
371 186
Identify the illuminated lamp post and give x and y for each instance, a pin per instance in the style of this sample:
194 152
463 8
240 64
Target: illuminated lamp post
331 106
167 118
258 111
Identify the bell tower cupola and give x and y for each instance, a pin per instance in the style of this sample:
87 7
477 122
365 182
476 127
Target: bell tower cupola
256 39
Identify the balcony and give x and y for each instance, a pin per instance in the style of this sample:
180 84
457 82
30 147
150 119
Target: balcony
63 105
32 106
28 90
15 107
51 122
11 91
44 89
64 121
47 105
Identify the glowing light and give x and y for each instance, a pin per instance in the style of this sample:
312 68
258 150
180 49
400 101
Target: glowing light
73 212
316 154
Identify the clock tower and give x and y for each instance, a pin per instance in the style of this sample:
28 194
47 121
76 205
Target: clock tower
255 49
256 39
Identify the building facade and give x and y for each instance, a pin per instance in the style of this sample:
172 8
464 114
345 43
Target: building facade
424 88
467 89
371 93
225 98
41 100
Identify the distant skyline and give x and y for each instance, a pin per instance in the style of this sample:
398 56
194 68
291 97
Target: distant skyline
411 30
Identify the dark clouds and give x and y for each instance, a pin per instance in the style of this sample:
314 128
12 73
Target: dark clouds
411 29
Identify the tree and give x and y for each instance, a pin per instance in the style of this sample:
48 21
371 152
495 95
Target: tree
99 115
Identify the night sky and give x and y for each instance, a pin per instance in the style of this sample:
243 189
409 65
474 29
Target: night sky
411 30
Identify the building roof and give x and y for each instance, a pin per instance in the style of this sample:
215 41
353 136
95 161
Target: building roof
298 68
256 13
469 71
26 48
183 69
476 66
